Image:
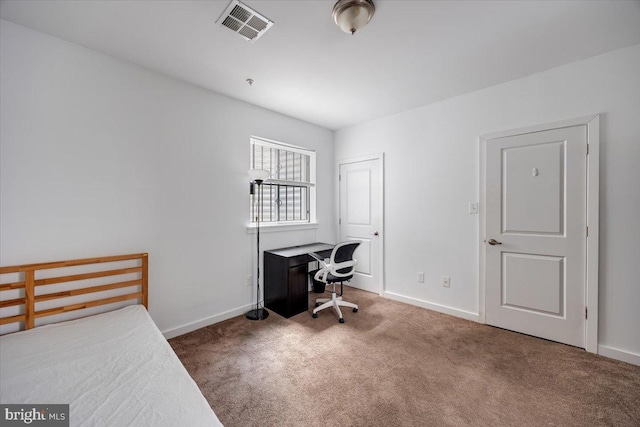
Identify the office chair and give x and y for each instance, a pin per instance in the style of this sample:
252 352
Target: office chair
339 269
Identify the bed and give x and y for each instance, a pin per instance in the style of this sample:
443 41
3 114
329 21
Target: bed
113 368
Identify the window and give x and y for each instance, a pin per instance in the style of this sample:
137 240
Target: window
288 195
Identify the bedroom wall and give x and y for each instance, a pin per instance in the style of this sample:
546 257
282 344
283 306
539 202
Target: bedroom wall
431 172
101 157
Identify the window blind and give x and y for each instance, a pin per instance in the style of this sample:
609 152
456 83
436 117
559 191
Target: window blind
285 195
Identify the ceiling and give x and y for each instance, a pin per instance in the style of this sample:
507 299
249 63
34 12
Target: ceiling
412 52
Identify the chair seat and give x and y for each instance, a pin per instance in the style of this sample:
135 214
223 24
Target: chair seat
334 279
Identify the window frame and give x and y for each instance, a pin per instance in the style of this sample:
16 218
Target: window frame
311 185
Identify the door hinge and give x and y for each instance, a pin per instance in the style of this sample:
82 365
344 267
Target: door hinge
339 177
587 231
586 313
339 221
587 149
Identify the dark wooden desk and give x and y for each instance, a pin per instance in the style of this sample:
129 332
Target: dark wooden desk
286 288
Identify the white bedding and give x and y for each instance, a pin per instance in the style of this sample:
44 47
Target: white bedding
114 369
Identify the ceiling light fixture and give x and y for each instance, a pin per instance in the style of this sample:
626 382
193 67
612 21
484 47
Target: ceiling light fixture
352 15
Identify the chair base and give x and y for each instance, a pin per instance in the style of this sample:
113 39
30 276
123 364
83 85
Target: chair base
336 302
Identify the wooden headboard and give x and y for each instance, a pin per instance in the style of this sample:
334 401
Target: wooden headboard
29 282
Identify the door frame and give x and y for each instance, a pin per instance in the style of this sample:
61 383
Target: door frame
592 216
380 207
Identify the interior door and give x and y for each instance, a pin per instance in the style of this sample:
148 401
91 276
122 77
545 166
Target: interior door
535 247
361 219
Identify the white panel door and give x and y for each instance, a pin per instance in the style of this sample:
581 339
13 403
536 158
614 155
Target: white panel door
536 234
361 219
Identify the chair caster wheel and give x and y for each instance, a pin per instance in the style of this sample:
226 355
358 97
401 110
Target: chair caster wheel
355 310
315 315
317 304
341 320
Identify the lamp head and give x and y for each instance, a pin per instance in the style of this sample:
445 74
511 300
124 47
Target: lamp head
259 175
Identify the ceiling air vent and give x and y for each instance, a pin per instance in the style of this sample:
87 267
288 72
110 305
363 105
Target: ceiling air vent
243 20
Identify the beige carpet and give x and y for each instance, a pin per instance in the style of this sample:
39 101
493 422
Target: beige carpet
393 364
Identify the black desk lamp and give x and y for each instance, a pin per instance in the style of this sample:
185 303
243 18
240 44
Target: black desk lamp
257 176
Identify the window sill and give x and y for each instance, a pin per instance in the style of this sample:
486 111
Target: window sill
270 228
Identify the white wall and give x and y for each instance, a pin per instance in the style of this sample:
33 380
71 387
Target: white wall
101 157
432 174
98 156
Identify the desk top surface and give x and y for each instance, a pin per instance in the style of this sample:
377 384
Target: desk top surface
301 250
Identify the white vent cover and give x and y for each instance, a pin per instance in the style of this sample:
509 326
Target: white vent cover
245 21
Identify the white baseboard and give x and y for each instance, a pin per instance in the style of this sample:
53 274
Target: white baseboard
190 327
432 306
617 354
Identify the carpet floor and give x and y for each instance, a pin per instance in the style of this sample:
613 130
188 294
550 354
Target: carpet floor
393 364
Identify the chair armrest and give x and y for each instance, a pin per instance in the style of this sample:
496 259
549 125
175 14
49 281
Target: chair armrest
321 262
333 268
324 269
316 256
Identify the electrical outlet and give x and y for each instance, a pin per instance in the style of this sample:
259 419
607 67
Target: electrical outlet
420 277
249 280
473 208
446 281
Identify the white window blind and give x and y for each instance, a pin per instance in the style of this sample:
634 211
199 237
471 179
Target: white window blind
286 194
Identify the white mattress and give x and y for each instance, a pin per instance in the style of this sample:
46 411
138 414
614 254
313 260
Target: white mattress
114 369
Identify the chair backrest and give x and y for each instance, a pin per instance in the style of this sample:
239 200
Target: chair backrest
343 252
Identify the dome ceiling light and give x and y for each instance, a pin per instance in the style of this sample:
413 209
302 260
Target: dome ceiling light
352 15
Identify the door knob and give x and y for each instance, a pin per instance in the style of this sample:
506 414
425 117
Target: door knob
494 242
